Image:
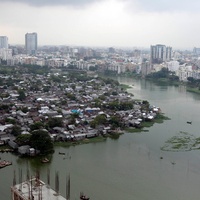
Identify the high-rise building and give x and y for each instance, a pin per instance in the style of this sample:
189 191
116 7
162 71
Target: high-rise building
4 42
160 53
5 54
31 43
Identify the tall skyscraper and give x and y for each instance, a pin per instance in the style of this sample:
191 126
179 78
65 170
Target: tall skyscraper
160 53
4 42
31 43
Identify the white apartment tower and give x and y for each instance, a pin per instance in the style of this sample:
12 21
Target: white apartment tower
31 43
3 42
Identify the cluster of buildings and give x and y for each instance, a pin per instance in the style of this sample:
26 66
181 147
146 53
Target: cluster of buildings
6 53
57 104
182 65
143 62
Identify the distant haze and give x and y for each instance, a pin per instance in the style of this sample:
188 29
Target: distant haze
121 23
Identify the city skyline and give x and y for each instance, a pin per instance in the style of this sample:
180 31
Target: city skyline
117 23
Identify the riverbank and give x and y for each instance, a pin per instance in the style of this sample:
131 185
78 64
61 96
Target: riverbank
84 141
160 118
112 166
193 89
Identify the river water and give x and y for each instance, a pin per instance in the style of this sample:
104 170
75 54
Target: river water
130 167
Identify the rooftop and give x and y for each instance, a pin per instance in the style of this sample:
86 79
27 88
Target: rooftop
38 189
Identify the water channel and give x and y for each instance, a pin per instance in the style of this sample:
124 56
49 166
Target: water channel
130 167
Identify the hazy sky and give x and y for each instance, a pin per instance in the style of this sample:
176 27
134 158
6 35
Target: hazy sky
117 23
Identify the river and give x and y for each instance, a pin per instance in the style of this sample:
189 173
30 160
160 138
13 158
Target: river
130 167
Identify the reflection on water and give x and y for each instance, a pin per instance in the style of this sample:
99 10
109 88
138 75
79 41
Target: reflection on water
130 167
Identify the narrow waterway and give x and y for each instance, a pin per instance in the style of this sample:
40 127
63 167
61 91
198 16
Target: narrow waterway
130 167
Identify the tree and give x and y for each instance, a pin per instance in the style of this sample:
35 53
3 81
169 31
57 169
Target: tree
24 109
53 122
98 120
93 68
22 95
16 130
10 120
191 79
40 140
115 121
23 139
70 96
114 93
36 126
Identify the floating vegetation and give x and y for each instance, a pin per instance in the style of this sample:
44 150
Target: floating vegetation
182 142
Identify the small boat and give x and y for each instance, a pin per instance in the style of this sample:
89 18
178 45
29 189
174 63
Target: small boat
45 160
5 163
83 197
61 153
189 122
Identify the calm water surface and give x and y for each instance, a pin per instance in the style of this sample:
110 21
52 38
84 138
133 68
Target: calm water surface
130 167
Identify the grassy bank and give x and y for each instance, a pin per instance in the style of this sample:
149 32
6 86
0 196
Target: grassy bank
194 90
125 87
164 81
85 141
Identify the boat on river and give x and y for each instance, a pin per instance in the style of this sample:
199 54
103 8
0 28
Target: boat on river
61 153
5 164
45 160
83 197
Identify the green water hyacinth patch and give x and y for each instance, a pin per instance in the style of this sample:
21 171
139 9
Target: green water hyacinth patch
182 142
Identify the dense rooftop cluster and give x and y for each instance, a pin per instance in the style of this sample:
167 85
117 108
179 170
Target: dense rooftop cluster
68 106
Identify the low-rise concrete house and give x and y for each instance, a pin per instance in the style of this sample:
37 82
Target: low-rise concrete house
13 145
24 150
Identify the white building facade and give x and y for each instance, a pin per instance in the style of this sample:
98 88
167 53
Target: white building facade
5 54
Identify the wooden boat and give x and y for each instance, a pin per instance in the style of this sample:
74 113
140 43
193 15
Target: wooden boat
83 197
5 163
61 153
45 160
